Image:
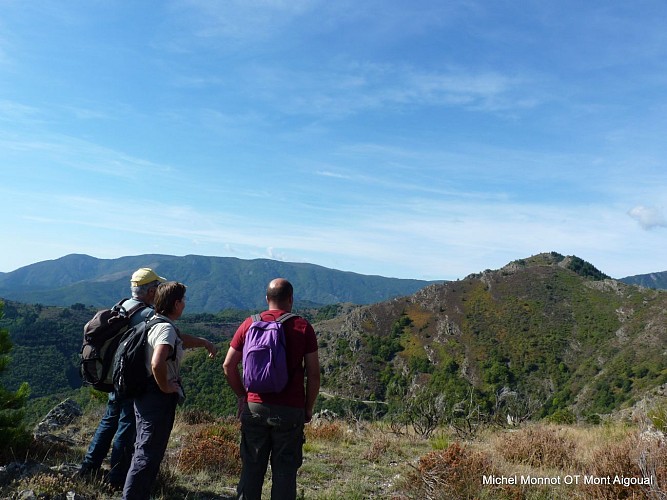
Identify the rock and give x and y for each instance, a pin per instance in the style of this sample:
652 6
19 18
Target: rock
51 428
18 470
26 495
61 415
324 416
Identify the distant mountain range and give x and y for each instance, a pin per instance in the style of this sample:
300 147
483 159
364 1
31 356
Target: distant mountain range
653 280
214 283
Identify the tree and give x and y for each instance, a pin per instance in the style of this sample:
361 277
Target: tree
14 437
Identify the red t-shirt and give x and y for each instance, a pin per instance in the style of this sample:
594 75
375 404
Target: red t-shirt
300 340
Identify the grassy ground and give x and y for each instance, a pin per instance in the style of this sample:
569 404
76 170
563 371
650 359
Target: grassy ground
353 460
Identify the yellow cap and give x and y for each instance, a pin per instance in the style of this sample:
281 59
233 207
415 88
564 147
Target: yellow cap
145 275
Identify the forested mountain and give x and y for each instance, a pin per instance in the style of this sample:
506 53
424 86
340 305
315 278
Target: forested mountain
214 283
551 330
550 333
652 280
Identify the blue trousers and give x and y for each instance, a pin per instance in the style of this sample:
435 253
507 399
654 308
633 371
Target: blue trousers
276 433
155 412
118 421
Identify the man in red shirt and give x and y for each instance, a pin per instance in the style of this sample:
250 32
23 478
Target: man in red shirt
272 423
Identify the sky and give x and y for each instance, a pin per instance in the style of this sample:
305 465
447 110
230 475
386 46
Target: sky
412 139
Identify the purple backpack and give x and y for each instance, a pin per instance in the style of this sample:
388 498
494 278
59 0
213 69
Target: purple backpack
265 355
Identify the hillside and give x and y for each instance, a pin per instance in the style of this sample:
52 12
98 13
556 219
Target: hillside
214 283
551 330
652 280
47 340
546 335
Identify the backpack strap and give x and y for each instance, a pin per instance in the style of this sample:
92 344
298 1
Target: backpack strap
287 316
130 312
154 320
281 319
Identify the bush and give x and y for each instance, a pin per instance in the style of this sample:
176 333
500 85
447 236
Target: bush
562 416
456 472
212 449
377 450
658 417
14 437
329 431
194 416
538 446
609 461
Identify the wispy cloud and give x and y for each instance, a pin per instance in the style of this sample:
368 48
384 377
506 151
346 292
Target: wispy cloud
11 111
349 88
335 175
70 152
236 22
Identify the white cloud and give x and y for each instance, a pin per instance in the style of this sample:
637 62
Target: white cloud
648 217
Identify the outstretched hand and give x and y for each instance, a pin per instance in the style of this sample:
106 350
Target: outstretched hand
211 348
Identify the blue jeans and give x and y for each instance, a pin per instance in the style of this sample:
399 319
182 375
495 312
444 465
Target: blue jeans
118 421
276 432
155 412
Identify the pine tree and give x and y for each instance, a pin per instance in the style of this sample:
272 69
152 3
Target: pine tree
14 437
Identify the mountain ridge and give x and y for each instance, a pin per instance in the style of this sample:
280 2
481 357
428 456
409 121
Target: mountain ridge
214 283
656 280
548 328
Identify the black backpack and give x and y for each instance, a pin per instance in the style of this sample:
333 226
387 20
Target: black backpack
101 336
130 377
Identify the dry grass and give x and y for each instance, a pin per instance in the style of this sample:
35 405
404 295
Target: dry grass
213 449
456 472
352 461
539 446
328 431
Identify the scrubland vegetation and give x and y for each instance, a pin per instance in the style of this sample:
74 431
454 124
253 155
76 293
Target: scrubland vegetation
541 380
347 458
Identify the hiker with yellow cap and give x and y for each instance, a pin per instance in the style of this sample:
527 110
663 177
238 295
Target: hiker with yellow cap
146 276
119 419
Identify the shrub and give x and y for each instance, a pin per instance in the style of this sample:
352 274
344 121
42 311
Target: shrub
329 431
611 460
658 416
53 485
194 416
562 416
377 450
213 449
651 457
538 446
440 441
456 472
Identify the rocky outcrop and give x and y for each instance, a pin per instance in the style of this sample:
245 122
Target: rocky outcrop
55 426
55 429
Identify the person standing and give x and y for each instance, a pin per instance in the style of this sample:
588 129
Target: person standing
155 409
272 424
118 419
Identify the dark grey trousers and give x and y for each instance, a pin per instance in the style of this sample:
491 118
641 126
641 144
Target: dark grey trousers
276 433
155 412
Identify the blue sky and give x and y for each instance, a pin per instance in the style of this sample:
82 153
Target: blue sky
421 139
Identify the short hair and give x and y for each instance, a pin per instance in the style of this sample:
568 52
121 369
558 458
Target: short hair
280 292
166 296
140 292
